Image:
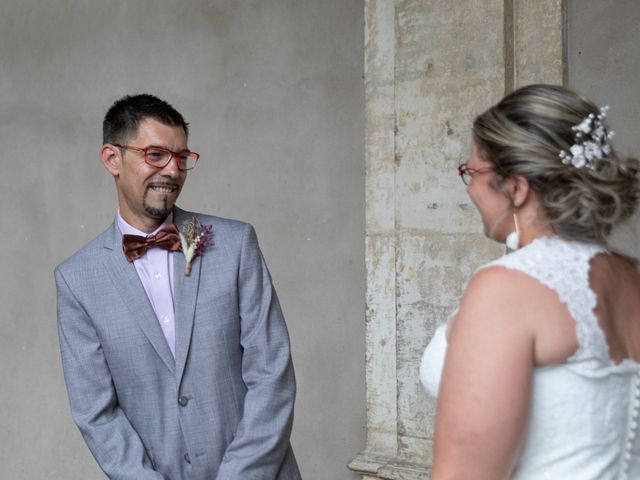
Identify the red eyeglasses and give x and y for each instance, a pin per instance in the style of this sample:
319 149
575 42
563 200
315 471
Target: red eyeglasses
467 174
160 157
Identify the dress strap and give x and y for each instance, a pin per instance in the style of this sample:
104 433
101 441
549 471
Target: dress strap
564 267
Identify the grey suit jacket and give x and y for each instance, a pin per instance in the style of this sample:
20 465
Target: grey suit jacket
223 408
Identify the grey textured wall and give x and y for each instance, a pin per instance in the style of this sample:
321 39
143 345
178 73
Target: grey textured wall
603 63
273 90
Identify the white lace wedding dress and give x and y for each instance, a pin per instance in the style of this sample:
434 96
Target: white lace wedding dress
583 422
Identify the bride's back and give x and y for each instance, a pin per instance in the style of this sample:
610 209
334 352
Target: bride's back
616 282
584 305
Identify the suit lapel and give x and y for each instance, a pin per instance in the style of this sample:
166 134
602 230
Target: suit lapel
184 299
127 283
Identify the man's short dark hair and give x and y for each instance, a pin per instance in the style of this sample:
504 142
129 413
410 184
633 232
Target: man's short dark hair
124 116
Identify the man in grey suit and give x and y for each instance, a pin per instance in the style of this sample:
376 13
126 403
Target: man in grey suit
176 368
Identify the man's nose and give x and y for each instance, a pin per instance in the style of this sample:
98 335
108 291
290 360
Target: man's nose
172 169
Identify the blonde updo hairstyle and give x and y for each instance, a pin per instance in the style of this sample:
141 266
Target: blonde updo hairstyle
523 135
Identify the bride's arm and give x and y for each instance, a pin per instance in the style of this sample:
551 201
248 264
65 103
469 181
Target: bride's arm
486 387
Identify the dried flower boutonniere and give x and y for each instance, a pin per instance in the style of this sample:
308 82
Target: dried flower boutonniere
195 239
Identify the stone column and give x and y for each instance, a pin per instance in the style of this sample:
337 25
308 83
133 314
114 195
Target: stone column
430 67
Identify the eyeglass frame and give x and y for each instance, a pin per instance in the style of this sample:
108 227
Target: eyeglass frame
172 155
464 170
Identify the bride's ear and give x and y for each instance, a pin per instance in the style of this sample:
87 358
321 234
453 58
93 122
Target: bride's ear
519 190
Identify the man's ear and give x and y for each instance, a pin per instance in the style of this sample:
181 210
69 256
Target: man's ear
519 190
111 159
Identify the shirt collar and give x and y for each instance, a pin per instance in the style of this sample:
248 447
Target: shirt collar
127 229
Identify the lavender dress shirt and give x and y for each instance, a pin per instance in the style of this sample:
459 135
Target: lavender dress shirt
155 269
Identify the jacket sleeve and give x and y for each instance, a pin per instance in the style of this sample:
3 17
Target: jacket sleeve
107 432
262 436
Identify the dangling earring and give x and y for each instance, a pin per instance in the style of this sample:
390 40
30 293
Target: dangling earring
513 239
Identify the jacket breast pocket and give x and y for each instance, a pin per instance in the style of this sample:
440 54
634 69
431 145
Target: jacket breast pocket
218 311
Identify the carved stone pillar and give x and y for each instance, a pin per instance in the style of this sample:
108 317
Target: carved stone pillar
431 66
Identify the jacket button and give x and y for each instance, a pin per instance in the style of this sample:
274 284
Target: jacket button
186 458
182 401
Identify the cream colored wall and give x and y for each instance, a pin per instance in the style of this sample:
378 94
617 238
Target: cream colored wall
430 68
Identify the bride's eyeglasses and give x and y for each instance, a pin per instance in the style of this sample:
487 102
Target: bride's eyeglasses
467 174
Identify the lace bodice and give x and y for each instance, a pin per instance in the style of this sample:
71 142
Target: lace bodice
583 422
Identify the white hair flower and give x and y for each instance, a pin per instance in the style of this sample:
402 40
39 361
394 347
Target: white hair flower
591 139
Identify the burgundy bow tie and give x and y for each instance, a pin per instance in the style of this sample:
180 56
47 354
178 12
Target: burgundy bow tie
135 246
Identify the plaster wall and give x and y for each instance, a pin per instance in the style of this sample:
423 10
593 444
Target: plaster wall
273 91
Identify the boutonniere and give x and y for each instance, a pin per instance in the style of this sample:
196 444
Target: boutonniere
195 239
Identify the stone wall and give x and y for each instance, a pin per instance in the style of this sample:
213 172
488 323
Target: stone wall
430 67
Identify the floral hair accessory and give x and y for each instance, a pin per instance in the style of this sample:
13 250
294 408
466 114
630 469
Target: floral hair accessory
195 239
592 142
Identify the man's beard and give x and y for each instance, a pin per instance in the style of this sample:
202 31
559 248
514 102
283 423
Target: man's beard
156 212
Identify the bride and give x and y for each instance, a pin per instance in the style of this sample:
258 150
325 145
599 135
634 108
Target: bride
541 378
